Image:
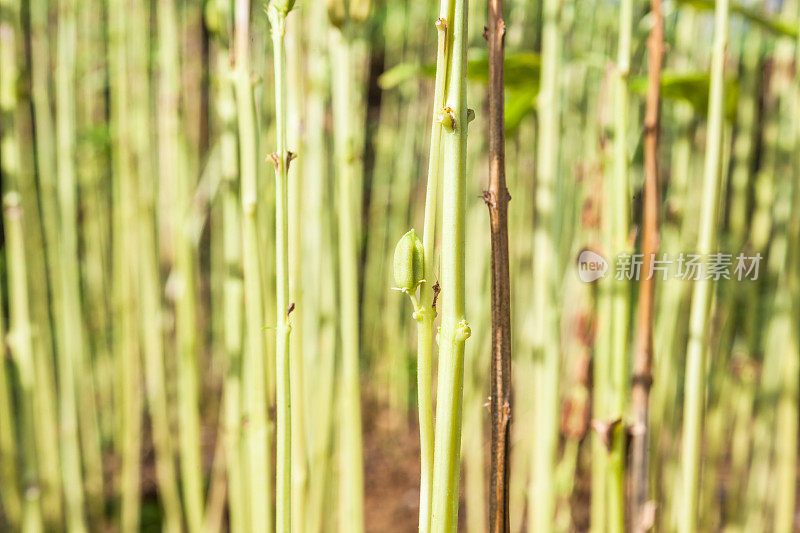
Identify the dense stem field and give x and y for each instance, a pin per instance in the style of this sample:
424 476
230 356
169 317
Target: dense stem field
249 281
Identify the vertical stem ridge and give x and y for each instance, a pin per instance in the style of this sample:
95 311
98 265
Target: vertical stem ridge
281 159
428 311
701 291
454 328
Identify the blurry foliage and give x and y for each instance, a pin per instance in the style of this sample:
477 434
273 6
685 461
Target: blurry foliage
522 84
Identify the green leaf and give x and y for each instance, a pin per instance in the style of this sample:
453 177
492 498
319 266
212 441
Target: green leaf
519 104
521 71
768 22
691 87
401 73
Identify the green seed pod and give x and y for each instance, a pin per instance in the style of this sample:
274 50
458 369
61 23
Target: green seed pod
409 262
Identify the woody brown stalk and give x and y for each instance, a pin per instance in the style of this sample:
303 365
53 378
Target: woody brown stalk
642 371
497 198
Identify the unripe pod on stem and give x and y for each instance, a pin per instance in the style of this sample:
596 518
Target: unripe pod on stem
409 262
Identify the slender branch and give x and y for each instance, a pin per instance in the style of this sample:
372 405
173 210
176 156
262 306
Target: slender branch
277 11
643 358
701 291
497 198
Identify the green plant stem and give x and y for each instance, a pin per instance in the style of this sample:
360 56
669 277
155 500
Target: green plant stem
255 436
232 229
428 312
9 159
9 488
476 376
149 282
20 509
86 383
296 194
318 329
620 228
47 414
71 346
351 475
281 160
454 328
173 169
20 335
787 412
123 235
701 291
546 353
669 327
233 296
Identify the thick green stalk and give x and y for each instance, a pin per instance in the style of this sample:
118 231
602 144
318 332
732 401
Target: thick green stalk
351 475
318 330
125 337
172 169
473 444
786 415
21 508
546 353
67 306
231 226
601 370
454 327
87 103
281 159
304 300
255 436
701 292
428 312
150 308
9 488
20 337
738 397
71 345
154 364
669 325
47 415
618 205
95 232
787 412
232 296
